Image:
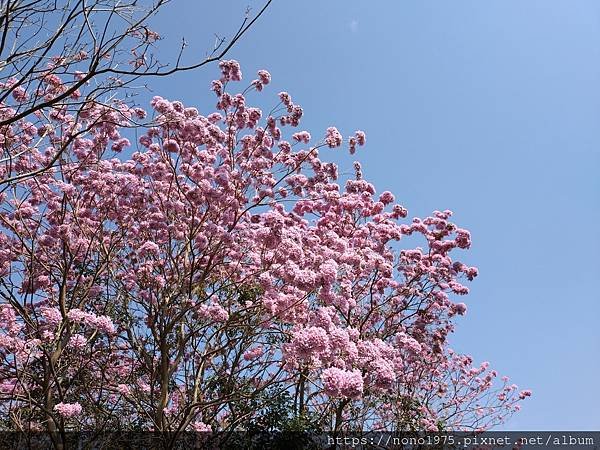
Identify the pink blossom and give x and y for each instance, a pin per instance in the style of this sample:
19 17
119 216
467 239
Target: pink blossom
459 308
333 138
302 136
77 341
201 427
123 389
230 70
329 271
217 87
104 323
121 144
524 394
264 77
52 315
149 248
257 85
253 353
360 137
463 238
19 94
386 198
384 374
77 315
171 145
309 341
68 410
214 312
352 145
285 98
342 383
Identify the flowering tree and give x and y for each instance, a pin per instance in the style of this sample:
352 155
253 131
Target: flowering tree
222 272
65 56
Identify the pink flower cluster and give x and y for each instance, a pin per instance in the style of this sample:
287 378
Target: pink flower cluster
103 323
253 353
264 78
201 427
342 383
333 138
68 410
213 312
358 138
230 70
77 341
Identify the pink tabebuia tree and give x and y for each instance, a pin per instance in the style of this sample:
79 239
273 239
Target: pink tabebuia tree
218 270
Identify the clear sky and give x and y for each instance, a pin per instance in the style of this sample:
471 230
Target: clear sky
490 108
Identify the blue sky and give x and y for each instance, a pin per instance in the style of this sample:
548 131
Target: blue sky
488 108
